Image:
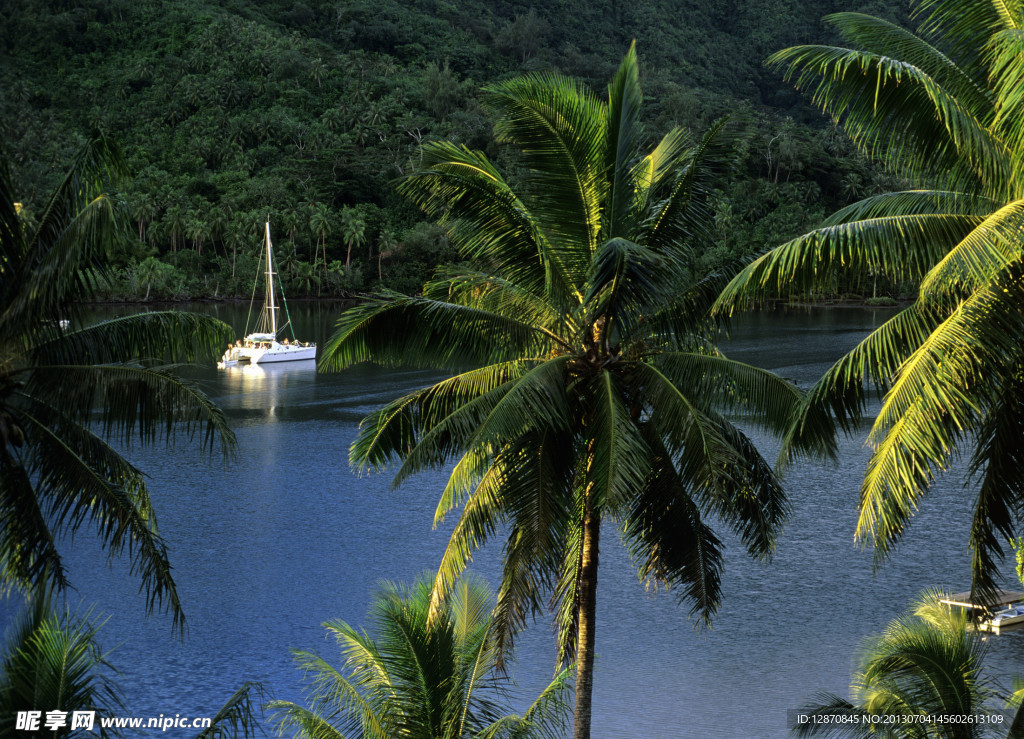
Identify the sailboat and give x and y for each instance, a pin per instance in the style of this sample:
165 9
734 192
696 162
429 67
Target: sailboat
262 346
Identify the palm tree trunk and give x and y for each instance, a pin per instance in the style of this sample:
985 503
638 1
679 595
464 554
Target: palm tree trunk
587 622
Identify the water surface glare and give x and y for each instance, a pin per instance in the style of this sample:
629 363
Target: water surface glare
286 537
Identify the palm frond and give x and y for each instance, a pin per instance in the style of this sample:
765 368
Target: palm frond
447 336
488 292
29 559
53 661
624 137
939 393
238 716
484 218
900 247
991 247
451 409
560 129
994 469
619 458
165 336
135 402
626 281
83 480
534 401
679 214
668 540
889 40
897 113
965 27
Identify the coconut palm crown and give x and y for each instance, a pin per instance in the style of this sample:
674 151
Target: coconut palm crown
68 388
588 387
941 107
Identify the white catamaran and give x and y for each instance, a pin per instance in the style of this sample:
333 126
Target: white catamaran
262 347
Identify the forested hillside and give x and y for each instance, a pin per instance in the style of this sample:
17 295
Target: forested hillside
232 111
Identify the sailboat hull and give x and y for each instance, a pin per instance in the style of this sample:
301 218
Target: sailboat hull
267 352
282 353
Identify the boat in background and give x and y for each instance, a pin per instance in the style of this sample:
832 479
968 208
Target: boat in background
262 346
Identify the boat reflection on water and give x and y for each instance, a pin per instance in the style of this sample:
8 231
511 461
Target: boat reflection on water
267 387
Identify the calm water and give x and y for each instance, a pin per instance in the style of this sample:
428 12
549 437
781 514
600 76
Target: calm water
287 537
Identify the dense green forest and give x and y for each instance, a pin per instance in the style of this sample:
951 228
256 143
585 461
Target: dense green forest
229 112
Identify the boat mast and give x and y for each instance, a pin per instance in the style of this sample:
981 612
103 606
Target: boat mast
270 287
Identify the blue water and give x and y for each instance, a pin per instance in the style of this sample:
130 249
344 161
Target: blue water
269 546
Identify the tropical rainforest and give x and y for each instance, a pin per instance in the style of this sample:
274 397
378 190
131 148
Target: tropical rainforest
229 113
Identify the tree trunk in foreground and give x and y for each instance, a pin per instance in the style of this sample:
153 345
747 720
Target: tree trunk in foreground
587 623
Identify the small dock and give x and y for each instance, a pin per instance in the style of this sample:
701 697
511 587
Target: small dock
1003 599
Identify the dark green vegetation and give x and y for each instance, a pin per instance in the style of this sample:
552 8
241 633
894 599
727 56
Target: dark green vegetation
420 676
231 111
927 664
596 392
942 108
66 389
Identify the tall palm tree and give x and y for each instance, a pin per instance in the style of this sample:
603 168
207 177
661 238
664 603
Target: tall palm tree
320 225
353 232
596 392
66 388
419 678
940 108
926 665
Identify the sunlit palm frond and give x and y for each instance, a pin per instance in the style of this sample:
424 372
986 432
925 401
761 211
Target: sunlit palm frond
985 252
879 101
680 215
484 218
561 131
889 40
488 292
901 247
414 676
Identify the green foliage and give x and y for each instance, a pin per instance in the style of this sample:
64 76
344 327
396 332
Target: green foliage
939 109
67 388
417 676
231 113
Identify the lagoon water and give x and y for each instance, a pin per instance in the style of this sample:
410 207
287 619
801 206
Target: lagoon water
268 547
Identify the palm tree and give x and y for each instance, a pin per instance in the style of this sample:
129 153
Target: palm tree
66 388
320 225
597 393
925 665
353 233
941 109
419 677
